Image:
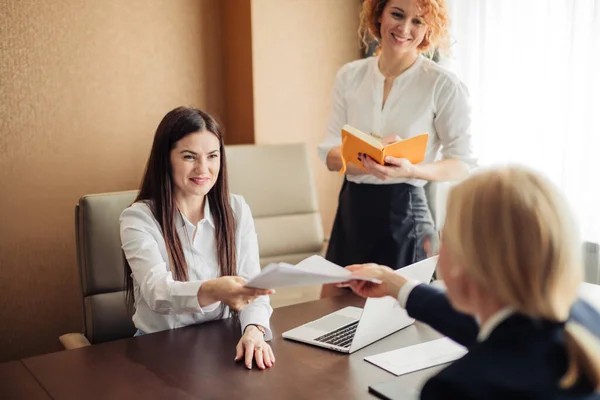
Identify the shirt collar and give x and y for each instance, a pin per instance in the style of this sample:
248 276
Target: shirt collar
207 214
492 323
207 218
379 77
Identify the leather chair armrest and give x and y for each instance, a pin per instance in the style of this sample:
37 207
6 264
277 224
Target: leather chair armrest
73 341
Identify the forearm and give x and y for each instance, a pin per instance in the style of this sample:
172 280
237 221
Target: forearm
334 163
207 294
443 170
166 296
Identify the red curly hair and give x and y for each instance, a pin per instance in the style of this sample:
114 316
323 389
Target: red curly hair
435 15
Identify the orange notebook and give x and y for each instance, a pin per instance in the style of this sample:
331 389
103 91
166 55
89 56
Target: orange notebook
354 142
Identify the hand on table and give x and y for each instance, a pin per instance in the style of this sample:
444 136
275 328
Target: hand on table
251 346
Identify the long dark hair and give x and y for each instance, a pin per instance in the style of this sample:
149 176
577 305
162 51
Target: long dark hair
157 190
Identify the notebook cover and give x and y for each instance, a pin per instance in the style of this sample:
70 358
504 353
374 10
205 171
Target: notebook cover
413 149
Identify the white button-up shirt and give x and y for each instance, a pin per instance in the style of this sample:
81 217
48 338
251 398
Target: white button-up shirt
426 98
162 303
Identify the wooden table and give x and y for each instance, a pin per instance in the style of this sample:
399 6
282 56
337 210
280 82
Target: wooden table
197 362
17 383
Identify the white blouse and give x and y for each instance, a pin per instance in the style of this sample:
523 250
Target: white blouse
426 98
162 303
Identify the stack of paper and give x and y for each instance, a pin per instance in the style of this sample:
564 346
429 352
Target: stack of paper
314 270
419 356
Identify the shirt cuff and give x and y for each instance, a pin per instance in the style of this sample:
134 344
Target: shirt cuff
405 291
257 314
185 295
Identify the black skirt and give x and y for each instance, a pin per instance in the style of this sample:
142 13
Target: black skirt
383 224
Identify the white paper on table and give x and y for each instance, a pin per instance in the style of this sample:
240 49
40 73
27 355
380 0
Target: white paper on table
314 270
418 356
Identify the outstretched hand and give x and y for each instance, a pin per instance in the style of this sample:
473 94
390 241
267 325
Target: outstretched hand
231 291
390 281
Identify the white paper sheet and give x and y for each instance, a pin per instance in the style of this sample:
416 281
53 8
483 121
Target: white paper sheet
419 356
314 270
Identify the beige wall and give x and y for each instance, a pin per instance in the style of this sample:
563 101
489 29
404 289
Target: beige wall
83 85
298 46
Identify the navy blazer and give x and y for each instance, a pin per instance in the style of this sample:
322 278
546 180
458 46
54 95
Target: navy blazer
523 358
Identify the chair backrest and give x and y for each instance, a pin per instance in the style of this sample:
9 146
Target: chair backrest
101 265
278 185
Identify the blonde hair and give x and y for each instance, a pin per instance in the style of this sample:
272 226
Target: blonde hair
512 232
435 15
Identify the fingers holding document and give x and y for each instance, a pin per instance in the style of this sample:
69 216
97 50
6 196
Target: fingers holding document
230 290
390 285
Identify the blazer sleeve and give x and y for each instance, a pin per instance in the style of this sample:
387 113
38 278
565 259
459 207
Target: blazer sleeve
586 315
431 306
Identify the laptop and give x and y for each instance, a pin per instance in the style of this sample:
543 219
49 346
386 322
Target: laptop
352 328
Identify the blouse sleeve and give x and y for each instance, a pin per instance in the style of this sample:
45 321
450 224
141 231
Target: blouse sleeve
163 294
259 312
337 118
452 121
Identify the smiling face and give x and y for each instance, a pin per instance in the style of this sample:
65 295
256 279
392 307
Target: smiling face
195 164
402 27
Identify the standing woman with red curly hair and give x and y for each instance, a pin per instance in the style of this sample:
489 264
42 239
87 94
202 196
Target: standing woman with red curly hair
382 215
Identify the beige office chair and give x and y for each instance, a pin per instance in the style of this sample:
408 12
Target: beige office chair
278 184
100 263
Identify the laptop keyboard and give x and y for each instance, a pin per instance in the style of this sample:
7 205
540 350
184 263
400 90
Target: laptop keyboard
341 337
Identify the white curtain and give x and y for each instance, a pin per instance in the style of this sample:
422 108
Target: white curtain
533 71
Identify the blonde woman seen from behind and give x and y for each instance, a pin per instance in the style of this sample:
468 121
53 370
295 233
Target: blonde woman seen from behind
510 261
